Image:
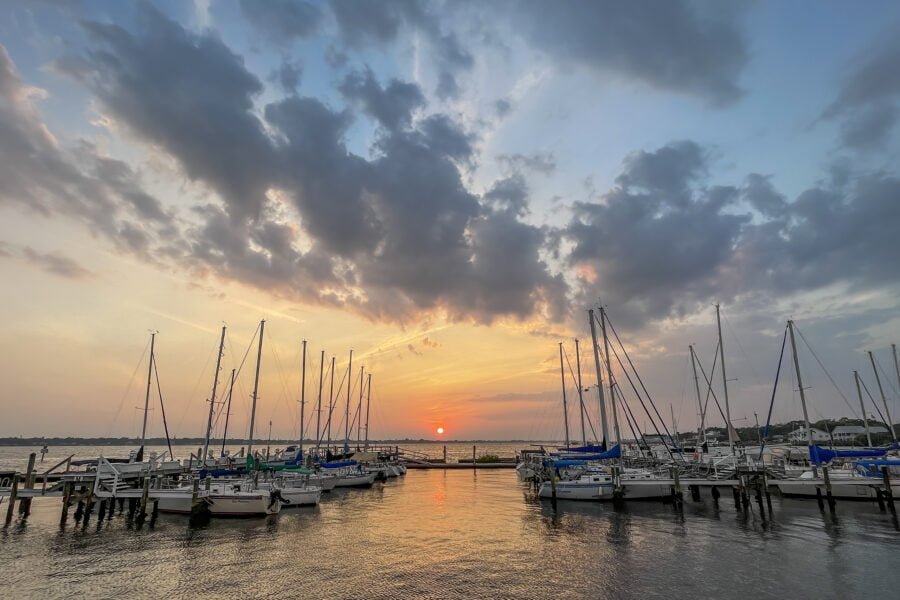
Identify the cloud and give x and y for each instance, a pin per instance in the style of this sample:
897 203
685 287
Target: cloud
392 106
661 242
866 104
686 47
288 76
543 163
283 19
40 175
56 264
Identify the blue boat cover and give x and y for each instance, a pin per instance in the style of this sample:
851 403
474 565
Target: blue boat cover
818 454
614 452
204 473
594 448
336 465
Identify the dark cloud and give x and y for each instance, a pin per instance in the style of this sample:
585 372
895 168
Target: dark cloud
866 104
696 48
288 76
661 243
392 106
362 23
284 20
188 94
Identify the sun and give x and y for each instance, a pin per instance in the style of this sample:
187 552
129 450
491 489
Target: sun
440 430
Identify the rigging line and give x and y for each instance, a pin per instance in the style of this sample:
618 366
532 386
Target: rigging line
888 378
740 346
774 390
641 381
162 407
827 374
640 399
237 371
128 388
709 383
334 405
285 393
712 373
193 391
632 423
875 404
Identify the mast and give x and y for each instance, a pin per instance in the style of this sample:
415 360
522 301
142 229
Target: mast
147 396
700 437
728 426
580 390
330 403
262 327
674 424
347 414
368 405
603 426
359 408
302 396
862 407
319 401
228 412
562 375
809 433
612 397
897 369
887 410
212 399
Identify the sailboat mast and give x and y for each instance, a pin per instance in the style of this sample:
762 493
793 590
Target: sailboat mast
674 423
562 375
302 396
319 400
603 426
347 413
212 398
728 426
368 405
147 396
809 433
359 408
580 390
887 410
609 376
330 403
228 412
862 407
262 328
700 436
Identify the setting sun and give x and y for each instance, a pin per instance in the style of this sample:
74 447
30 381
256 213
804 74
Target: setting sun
440 430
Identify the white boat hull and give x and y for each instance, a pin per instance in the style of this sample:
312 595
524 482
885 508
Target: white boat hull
241 504
573 490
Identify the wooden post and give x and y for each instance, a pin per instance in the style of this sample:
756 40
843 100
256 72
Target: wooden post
715 495
445 454
25 503
13 493
195 492
101 511
888 492
828 494
142 515
66 499
88 506
473 467
155 514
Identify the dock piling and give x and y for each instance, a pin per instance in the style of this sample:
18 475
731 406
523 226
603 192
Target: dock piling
13 493
66 501
828 495
888 492
25 503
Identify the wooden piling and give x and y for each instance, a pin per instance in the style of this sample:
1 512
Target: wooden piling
79 509
879 497
66 501
888 492
474 467
13 493
25 503
715 495
828 494
142 515
88 506
101 511
736 492
445 454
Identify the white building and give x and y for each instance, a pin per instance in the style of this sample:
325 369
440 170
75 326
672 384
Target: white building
802 436
849 433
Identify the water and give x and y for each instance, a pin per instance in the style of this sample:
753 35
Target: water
464 534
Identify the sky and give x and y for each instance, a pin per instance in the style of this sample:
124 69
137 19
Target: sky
444 188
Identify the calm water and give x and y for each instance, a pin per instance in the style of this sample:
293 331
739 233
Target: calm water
459 534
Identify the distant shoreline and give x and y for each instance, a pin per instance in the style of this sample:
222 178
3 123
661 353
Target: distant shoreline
105 441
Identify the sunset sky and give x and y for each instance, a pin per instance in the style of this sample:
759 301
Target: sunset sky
445 188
